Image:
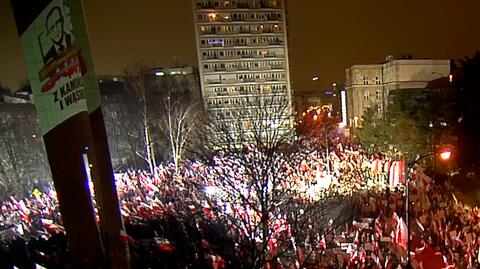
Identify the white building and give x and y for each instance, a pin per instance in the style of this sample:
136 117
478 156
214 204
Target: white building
369 85
243 61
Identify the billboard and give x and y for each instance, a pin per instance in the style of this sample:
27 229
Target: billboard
54 65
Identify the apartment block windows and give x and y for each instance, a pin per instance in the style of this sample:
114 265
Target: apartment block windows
378 95
377 81
365 80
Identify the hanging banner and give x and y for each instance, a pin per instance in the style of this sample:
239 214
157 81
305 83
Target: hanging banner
54 63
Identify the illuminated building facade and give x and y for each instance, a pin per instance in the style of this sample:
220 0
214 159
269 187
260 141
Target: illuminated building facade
243 62
370 85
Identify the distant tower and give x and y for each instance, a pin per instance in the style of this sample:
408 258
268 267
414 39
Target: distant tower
243 56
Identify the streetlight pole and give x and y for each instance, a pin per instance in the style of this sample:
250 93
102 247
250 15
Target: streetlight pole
444 155
407 203
326 149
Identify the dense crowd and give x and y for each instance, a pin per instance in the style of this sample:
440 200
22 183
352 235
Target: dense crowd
172 219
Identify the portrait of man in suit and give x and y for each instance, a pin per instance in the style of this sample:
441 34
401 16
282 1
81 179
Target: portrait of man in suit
60 39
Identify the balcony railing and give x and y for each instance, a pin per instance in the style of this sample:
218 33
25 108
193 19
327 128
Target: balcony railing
275 43
259 68
256 19
272 31
209 57
231 81
256 44
232 57
228 32
208 32
214 32
244 80
237 6
213 81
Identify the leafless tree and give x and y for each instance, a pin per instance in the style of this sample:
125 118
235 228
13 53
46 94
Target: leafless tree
23 161
255 183
123 121
178 123
140 80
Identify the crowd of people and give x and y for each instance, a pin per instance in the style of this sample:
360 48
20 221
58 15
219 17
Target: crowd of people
172 219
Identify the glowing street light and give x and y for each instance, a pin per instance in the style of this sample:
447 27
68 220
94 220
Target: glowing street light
446 154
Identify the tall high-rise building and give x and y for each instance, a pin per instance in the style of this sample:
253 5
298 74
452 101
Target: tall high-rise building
243 64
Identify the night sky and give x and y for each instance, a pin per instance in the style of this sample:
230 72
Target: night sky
325 37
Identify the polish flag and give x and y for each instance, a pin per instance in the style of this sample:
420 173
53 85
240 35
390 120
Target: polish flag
429 259
401 237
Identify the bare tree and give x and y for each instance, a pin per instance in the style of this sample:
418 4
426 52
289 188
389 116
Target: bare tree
178 123
23 162
124 126
256 183
140 80
263 119
270 214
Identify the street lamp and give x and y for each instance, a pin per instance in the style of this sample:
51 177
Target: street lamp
445 155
